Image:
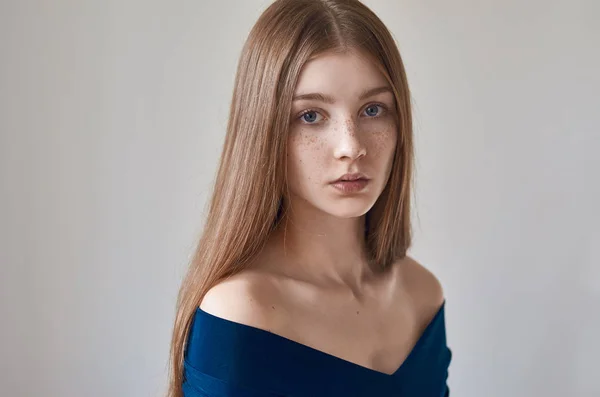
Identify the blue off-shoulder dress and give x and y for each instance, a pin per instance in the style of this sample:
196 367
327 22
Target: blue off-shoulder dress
228 359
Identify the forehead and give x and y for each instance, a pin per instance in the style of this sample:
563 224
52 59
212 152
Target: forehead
339 74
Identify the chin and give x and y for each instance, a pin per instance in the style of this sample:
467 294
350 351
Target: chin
340 207
348 209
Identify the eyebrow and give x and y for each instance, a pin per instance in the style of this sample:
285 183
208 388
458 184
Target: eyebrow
317 96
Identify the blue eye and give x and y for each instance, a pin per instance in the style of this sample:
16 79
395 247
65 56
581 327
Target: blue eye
312 116
370 110
309 117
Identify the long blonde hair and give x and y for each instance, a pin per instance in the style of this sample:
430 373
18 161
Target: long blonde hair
246 203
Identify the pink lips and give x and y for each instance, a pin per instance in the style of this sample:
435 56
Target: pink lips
351 183
351 177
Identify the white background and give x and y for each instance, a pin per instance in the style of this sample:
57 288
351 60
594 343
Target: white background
112 117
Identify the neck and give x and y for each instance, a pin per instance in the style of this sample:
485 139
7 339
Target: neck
322 248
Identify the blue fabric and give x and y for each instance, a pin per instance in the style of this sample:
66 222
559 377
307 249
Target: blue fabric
226 359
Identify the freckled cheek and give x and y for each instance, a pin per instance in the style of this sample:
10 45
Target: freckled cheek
383 139
306 157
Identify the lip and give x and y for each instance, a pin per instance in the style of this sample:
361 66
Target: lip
348 187
351 177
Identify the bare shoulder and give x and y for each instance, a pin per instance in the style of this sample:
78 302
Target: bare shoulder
248 297
423 287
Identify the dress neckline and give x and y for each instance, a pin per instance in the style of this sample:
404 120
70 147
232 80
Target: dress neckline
329 356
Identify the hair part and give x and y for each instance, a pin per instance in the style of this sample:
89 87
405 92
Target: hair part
246 203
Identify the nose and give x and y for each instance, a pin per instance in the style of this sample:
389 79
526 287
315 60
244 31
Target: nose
348 144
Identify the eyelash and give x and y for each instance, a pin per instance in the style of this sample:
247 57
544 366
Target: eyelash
385 109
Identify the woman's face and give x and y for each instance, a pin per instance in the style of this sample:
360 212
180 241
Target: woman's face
343 121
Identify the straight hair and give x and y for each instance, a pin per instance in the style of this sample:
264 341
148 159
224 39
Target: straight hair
250 186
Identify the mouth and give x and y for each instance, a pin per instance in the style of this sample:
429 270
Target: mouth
357 176
350 183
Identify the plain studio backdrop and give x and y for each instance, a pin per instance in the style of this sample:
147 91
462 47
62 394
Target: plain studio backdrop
112 118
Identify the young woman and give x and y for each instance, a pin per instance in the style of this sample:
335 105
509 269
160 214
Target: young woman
301 284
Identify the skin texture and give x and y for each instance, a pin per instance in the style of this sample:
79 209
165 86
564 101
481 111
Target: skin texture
323 230
312 283
332 139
